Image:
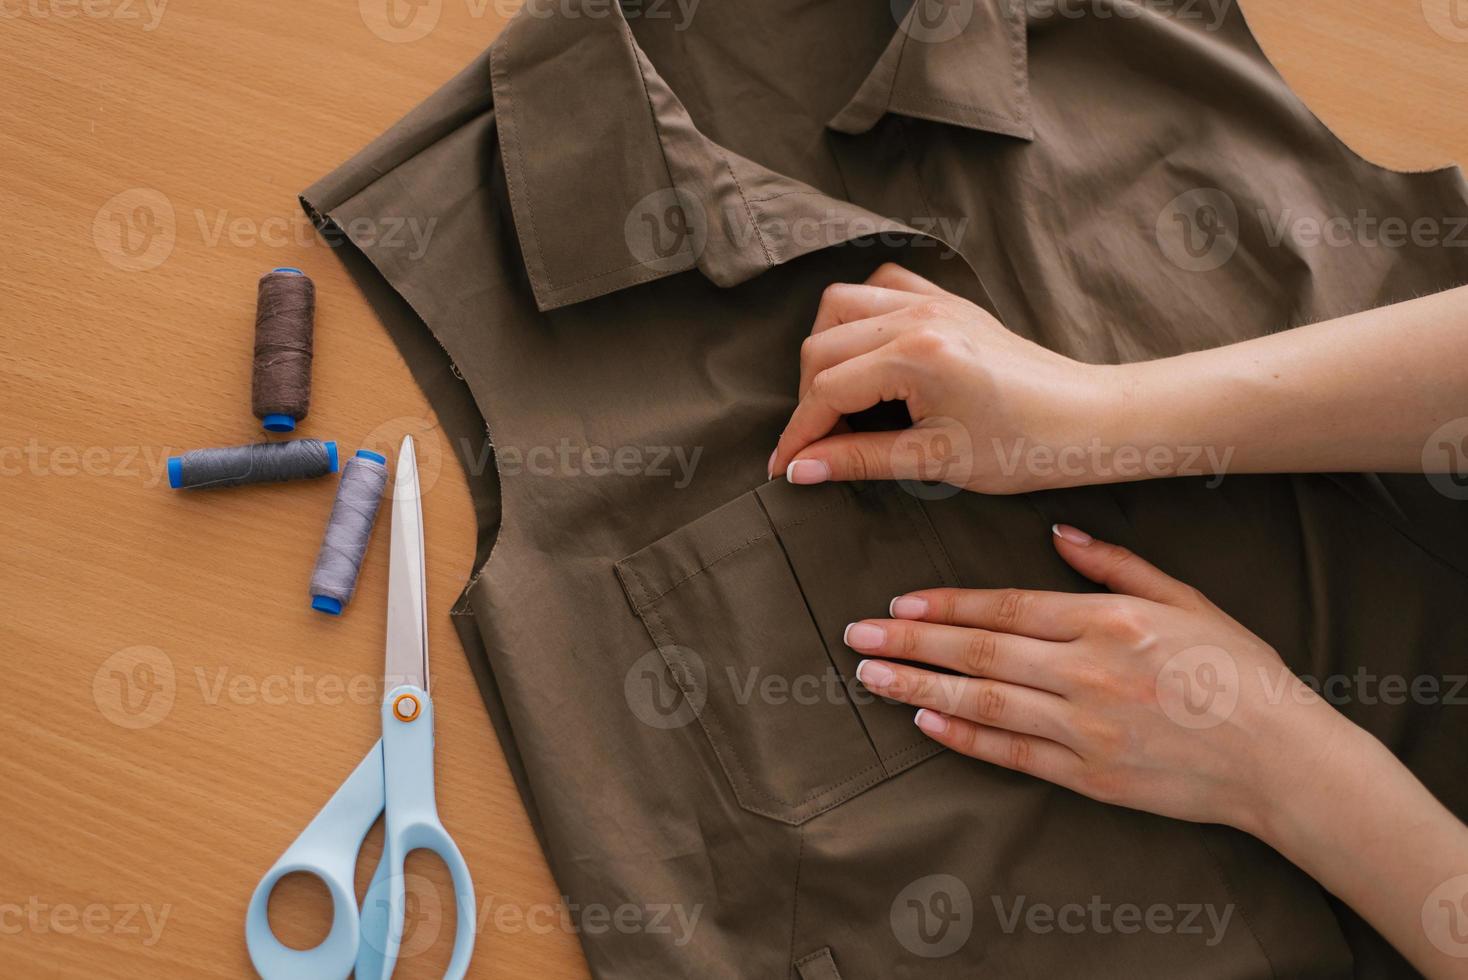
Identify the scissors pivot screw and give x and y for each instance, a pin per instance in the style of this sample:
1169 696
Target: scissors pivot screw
405 707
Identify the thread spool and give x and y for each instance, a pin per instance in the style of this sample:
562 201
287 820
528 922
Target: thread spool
280 384
358 495
263 462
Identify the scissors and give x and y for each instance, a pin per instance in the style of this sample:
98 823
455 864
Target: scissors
396 775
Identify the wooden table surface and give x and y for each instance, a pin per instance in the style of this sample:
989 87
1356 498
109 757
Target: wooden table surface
176 712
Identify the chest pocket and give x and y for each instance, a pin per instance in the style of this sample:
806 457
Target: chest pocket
747 606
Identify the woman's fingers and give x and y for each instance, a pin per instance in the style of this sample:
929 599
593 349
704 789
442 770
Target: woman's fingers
918 453
841 342
1043 615
1037 757
973 652
890 275
992 703
1120 570
845 302
850 387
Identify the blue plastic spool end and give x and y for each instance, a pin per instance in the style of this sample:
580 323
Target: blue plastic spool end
289 269
326 604
375 457
175 471
331 455
279 423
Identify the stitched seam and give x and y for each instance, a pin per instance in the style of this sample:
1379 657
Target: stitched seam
898 757
924 529
795 901
594 291
517 192
758 232
824 953
738 548
897 63
776 197
708 720
652 600
712 722
622 268
1229 890
1019 48
917 175
815 624
521 193
989 114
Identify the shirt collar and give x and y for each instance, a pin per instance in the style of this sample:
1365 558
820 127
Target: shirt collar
611 184
961 62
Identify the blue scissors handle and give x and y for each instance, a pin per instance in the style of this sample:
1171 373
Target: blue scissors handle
412 824
397 774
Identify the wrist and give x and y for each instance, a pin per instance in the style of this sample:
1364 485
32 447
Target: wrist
1132 429
1174 417
1311 759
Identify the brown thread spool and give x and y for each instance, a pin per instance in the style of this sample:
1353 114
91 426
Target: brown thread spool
285 311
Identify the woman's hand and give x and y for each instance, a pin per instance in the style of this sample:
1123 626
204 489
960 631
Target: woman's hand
995 413
1151 697
982 399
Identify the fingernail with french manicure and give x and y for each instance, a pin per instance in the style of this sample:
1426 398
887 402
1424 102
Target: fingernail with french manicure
864 636
770 466
874 674
930 721
908 607
1072 534
807 472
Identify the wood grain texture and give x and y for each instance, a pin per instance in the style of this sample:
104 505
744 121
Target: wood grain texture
176 712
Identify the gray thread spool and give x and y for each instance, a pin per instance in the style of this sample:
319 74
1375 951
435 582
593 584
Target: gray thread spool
285 309
358 496
263 462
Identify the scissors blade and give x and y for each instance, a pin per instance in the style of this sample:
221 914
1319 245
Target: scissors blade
407 605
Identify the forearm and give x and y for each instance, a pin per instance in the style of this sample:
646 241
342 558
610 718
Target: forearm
1361 393
1357 821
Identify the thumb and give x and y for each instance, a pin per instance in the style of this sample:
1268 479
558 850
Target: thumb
918 453
1118 569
